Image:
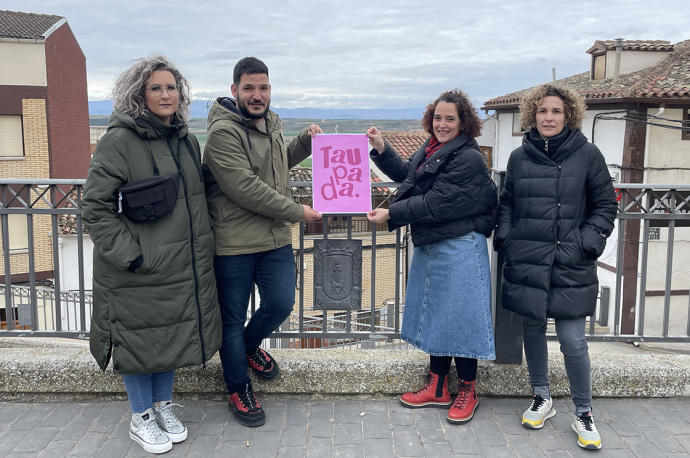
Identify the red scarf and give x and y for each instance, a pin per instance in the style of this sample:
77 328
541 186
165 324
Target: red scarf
431 147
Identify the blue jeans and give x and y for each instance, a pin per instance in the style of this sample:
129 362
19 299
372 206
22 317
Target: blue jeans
571 336
145 389
273 272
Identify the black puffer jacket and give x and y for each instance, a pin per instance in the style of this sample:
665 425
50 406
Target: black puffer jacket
448 196
554 217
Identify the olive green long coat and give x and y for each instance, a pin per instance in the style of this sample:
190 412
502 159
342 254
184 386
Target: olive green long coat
165 314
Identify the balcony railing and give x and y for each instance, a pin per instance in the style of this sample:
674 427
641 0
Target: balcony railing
644 274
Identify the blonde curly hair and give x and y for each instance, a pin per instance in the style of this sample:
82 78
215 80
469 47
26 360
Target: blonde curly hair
573 104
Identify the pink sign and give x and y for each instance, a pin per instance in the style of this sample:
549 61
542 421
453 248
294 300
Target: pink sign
340 173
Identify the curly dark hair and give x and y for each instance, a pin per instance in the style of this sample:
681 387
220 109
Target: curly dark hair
471 124
573 104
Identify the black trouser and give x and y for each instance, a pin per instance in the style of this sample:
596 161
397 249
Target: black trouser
466 367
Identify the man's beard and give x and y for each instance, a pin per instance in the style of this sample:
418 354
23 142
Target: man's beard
247 114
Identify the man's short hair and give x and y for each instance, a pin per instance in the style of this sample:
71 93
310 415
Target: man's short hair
248 66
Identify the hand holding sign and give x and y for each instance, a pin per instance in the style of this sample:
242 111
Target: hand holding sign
340 173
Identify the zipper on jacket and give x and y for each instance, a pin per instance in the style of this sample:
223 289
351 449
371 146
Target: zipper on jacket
194 269
546 146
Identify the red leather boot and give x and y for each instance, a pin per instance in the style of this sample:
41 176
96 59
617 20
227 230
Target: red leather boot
465 403
434 394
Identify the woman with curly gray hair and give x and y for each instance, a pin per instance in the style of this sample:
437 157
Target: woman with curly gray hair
155 306
556 211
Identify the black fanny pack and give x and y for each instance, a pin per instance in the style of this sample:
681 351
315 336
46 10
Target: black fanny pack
147 200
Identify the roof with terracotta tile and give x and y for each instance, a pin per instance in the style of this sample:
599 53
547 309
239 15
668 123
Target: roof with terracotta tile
669 79
406 143
15 24
631 45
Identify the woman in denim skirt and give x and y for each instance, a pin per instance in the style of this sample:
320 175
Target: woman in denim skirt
449 200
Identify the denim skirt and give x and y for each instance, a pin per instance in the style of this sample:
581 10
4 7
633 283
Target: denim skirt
448 300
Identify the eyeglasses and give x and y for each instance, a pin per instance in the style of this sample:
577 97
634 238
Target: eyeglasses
157 89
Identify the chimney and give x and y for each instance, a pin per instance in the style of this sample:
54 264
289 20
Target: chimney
619 49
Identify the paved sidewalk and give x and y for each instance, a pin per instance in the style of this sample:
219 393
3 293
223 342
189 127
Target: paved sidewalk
349 428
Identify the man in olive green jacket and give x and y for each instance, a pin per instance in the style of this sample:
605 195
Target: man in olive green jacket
247 167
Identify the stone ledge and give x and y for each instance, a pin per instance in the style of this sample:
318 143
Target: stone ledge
34 368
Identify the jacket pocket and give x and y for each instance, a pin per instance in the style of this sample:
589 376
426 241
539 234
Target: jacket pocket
592 242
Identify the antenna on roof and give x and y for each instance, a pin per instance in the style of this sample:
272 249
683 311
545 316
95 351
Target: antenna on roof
553 73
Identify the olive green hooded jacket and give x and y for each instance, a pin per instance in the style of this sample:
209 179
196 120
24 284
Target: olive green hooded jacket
248 182
165 314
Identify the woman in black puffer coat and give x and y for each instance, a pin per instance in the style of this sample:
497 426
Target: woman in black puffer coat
555 213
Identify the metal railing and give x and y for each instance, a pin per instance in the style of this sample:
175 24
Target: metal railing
637 302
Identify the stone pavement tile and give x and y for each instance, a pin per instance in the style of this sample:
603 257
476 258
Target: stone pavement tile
293 435
406 441
234 433
203 445
641 446
438 450
292 451
462 439
616 453
622 426
401 416
430 429
497 451
297 413
109 417
347 411
377 406
115 448
559 454
89 444
348 450
561 421
321 410
89 411
377 447
609 438
663 440
9 412
9 439
57 448
523 445
73 430
376 426
194 411
483 412
504 406
673 422
320 427
29 418
488 433
267 441
684 440
510 424
36 439
633 410
231 448
275 416
548 440
318 447
62 414
347 434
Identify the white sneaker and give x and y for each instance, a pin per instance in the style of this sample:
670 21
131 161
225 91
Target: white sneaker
145 431
168 421
540 411
587 434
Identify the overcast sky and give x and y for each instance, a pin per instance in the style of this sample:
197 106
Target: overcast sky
359 53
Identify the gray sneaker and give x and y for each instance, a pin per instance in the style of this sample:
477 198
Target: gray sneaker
168 421
145 431
587 434
540 411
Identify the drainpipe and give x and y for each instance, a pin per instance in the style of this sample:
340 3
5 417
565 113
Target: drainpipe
617 68
553 73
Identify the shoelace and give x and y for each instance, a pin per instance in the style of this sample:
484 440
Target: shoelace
464 391
258 358
425 387
152 430
586 421
168 416
247 398
537 403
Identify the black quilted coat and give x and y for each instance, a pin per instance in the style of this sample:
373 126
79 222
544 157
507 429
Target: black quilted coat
450 195
555 214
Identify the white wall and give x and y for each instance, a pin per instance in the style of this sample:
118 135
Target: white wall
666 149
23 64
632 61
69 262
488 136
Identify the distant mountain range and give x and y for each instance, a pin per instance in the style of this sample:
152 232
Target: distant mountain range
199 109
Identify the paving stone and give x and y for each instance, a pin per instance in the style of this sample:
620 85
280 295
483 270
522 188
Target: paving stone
622 426
292 451
321 411
376 426
89 411
275 417
10 412
641 446
438 450
60 415
318 447
29 418
510 424
347 411
497 451
89 444
294 435
684 440
109 417
548 440
57 448
609 437
406 441
268 441
347 434
430 430
73 430
36 440
376 406
194 411
375 447
348 450
462 439
297 413
663 440
114 448
523 445
401 416
9 439
320 428
203 445
488 433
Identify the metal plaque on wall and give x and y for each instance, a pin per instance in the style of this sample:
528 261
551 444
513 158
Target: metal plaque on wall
337 274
